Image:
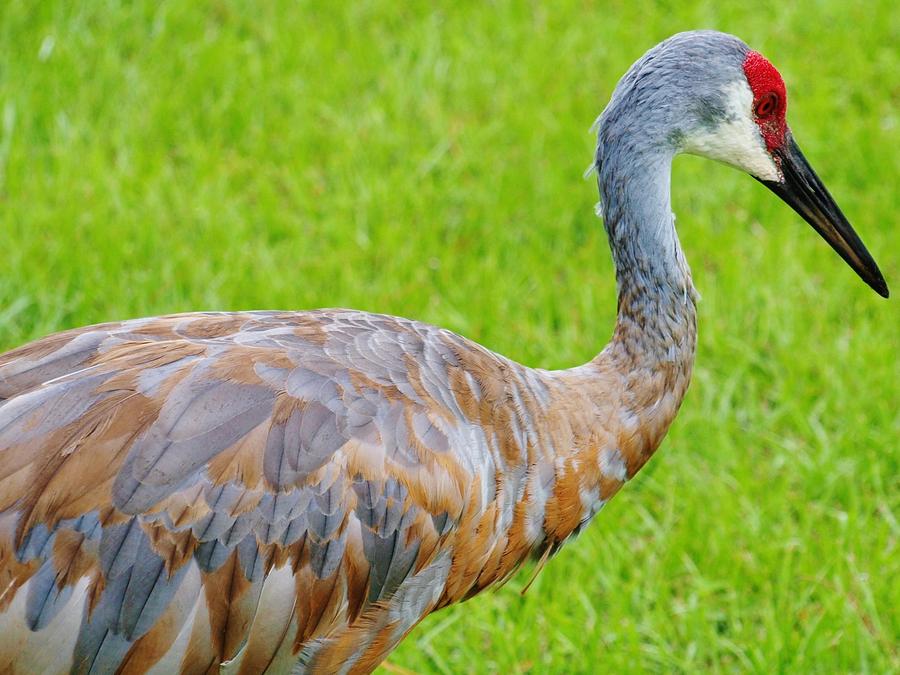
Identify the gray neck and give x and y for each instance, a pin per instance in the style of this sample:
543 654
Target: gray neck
656 311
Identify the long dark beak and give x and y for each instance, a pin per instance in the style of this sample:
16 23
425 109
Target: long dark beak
802 190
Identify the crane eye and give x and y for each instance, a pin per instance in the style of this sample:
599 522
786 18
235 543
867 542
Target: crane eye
767 105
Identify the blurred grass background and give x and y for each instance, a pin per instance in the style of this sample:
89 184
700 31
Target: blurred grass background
423 160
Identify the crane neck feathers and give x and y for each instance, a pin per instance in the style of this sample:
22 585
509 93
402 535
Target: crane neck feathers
656 296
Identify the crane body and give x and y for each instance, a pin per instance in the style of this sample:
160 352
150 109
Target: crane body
380 467
294 491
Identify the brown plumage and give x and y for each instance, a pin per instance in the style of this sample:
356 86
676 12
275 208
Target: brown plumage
261 487
277 491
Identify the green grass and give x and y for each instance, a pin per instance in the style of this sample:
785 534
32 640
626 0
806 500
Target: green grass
159 157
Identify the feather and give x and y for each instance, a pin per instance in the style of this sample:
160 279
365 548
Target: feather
45 597
119 546
149 590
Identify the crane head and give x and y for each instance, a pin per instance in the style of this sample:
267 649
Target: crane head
707 93
757 139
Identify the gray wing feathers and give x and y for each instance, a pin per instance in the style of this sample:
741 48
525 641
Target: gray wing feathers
20 375
301 418
45 597
199 420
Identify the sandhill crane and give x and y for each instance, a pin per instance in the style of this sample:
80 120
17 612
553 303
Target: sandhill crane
267 491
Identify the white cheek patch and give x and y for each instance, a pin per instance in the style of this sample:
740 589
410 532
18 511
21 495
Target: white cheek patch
737 141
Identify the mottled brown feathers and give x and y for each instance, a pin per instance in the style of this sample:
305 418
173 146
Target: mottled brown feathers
265 489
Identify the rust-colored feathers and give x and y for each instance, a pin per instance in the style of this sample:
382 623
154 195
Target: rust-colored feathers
275 490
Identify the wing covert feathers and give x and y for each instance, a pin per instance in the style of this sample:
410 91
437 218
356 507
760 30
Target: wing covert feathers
272 490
